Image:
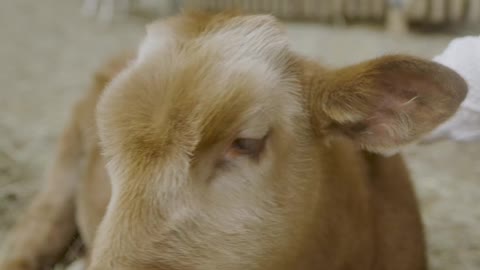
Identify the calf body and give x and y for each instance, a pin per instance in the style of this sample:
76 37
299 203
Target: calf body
215 146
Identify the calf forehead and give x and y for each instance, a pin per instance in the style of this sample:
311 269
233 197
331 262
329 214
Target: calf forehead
255 36
187 89
215 86
193 79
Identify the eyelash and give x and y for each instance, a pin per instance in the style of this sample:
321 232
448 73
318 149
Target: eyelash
246 147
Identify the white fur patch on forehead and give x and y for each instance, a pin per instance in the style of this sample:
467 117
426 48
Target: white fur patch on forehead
254 36
159 37
276 97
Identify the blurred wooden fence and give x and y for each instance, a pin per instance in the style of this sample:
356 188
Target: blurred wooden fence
416 11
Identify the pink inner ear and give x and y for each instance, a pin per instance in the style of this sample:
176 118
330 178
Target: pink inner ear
391 100
394 117
410 105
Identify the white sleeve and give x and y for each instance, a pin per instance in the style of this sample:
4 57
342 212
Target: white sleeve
463 56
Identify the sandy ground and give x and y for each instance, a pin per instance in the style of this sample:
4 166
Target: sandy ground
48 52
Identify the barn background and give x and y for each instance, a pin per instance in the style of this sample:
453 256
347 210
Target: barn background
48 51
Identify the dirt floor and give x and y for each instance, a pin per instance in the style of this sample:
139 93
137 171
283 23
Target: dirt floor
48 51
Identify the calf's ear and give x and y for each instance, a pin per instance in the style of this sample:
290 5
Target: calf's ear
387 102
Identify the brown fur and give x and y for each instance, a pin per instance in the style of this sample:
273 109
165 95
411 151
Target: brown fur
311 199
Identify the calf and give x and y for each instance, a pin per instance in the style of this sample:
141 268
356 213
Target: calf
215 146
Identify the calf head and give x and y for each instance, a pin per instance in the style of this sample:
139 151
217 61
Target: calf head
214 136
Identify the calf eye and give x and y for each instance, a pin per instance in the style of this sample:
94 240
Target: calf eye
246 147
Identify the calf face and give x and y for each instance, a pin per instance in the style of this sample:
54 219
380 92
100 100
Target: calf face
217 139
